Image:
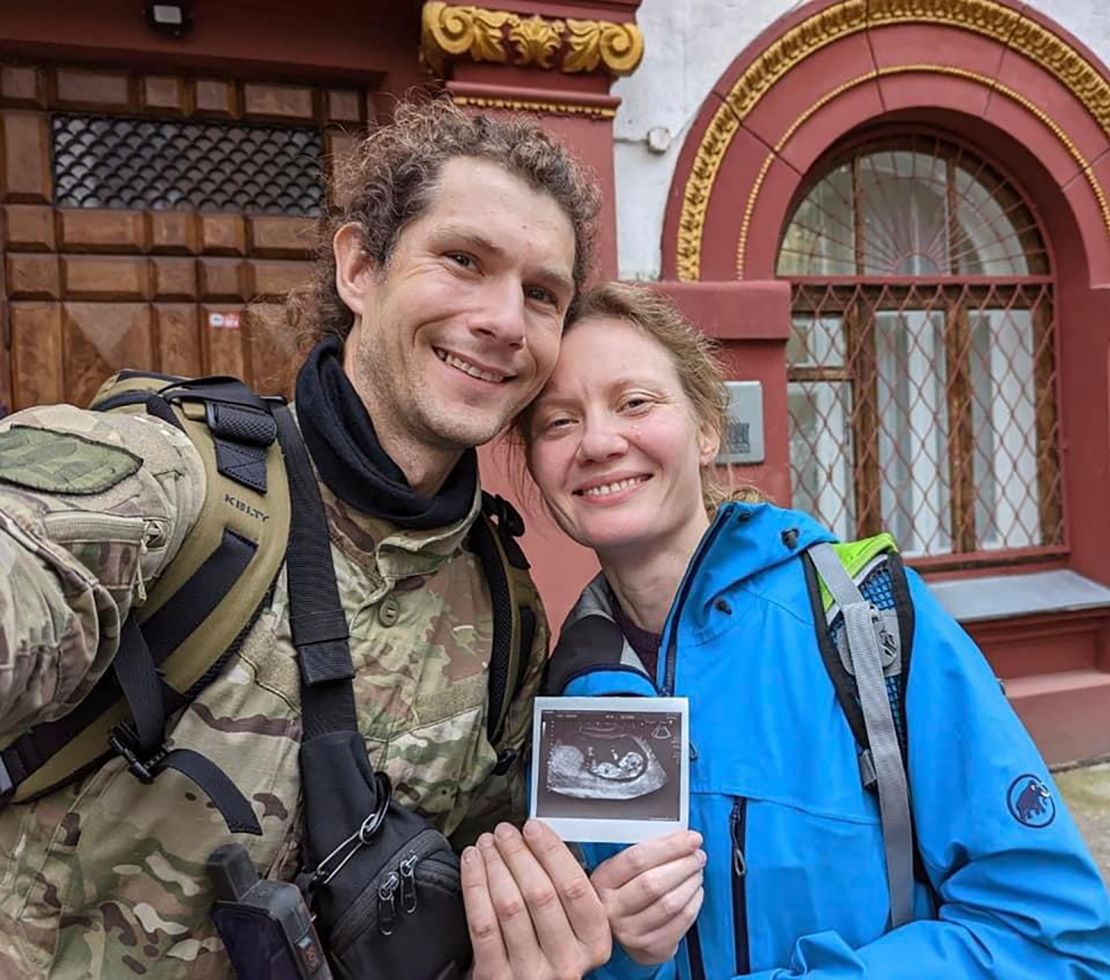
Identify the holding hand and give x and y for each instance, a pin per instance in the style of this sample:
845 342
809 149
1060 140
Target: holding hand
652 893
532 912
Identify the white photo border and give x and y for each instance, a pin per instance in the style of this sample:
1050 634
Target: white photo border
608 829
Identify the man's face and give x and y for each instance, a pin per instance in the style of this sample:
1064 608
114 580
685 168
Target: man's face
461 328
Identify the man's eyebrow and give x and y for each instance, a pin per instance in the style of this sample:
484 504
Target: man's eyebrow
556 279
469 238
552 276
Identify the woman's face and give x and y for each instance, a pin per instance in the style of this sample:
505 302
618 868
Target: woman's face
615 447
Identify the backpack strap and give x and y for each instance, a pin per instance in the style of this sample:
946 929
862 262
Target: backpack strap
196 614
515 614
868 644
316 616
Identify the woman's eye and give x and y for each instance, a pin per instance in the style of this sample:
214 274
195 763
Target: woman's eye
632 404
557 423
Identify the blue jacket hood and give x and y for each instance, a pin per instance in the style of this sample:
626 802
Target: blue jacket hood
743 541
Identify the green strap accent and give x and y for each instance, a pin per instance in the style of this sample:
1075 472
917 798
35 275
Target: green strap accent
854 555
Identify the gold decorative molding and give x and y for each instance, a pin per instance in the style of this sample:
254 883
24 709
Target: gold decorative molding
985 17
620 46
449 32
1054 127
536 40
535 105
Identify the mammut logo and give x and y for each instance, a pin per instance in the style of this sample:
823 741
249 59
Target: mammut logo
1030 802
246 508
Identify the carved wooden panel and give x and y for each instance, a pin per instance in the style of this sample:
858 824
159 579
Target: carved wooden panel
86 291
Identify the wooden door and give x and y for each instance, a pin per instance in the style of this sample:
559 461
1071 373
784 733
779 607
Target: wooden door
148 221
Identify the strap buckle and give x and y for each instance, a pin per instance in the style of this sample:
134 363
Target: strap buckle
124 742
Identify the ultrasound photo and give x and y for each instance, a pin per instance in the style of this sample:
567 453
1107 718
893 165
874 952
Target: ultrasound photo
611 768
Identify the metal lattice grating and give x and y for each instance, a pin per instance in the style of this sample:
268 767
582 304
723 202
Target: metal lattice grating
922 370
155 164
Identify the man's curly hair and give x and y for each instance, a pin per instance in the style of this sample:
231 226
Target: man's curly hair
391 178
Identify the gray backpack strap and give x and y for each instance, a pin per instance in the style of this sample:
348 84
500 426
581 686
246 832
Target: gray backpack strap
862 627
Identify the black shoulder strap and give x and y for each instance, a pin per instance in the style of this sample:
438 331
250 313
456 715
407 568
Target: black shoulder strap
316 617
514 623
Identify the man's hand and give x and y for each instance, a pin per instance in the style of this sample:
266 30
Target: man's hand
532 912
652 893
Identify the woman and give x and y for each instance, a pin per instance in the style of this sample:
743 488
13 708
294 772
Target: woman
715 603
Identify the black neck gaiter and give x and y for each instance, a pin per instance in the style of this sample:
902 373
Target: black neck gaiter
340 435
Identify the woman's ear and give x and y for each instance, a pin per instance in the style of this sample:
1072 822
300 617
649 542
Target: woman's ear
354 269
709 444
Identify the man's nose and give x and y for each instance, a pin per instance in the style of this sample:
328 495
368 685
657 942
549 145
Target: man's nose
501 315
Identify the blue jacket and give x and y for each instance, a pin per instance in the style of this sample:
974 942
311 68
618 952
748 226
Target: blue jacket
795 884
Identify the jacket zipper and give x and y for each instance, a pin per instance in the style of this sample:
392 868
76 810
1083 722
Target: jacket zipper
680 601
693 939
693 952
739 822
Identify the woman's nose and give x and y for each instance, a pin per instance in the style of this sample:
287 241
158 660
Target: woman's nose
601 439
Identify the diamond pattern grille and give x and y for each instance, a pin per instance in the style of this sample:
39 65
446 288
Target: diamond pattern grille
921 363
115 162
928 410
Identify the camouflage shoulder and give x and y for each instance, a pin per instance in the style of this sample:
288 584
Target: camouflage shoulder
62 449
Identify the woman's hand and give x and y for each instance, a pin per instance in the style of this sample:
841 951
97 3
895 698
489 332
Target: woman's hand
652 892
531 910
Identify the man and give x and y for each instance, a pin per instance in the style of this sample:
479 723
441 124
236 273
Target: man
457 246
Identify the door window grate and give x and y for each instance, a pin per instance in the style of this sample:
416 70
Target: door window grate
157 164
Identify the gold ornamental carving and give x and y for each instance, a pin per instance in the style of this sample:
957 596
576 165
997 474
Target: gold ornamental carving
984 17
452 32
536 40
449 32
619 46
535 105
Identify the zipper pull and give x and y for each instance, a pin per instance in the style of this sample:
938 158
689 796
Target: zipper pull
387 907
408 883
739 862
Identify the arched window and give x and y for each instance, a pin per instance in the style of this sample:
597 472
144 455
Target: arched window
921 363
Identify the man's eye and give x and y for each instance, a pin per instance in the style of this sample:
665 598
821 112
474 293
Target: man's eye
541 295
461 258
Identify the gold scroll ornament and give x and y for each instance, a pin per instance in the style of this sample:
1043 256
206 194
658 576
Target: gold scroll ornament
450 32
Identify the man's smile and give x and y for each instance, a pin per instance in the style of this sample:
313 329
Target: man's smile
470 368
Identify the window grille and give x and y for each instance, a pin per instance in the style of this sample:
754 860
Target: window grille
921 363
158 164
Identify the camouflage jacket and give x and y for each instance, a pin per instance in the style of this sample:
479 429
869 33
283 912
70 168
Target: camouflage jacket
105 878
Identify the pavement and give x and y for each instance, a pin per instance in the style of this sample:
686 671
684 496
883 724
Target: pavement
1087 791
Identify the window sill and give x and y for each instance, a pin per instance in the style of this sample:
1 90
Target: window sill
976 600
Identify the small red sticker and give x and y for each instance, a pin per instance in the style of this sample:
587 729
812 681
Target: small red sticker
223 321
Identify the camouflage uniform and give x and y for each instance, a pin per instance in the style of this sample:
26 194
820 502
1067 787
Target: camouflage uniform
105 878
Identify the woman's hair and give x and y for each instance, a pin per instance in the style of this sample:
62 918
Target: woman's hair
696 361
390 179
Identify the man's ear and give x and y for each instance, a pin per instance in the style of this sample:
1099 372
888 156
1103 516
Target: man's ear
709 444
352 267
